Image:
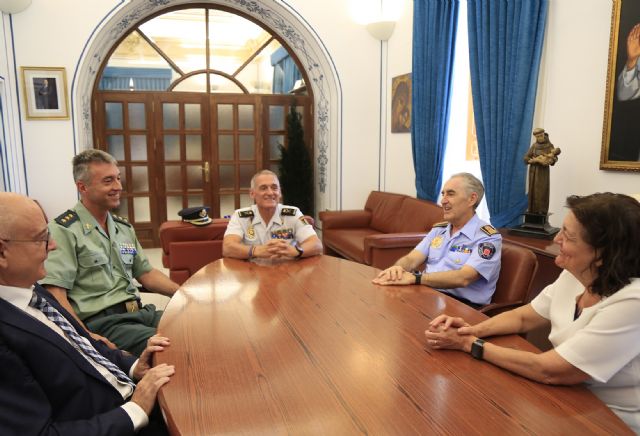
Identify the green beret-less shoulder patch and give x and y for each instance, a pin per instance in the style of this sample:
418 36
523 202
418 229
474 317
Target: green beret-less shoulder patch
245 213
67 218
288 211
120 220
441 224
489 230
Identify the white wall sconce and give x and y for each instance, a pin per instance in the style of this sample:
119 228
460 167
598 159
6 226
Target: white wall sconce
14 6
378 16
381 30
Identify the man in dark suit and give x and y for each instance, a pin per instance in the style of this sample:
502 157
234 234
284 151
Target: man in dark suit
54 377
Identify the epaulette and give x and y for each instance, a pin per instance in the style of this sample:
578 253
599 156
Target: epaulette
441 224
120 220
288 211
489 230
67 218
245 213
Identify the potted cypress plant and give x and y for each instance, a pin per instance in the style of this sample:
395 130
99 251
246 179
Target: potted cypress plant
296 171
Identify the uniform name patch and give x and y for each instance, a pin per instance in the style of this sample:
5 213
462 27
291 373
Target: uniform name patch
486 250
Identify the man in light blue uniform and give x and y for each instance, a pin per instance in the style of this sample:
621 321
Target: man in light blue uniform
462 255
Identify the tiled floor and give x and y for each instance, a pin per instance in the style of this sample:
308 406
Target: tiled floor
155 258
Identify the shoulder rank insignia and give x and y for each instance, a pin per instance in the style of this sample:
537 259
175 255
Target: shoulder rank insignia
441 224
67 218
489 230
288 211
304 221
120 220
245 213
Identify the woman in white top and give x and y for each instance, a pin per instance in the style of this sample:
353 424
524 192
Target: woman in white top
593 310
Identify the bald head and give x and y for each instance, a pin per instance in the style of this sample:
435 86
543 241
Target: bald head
24 240
16 212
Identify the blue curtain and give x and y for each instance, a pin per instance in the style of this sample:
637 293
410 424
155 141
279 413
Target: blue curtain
434 35
285 72
505 43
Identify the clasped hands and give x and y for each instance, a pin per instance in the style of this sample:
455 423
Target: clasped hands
275 249
451 333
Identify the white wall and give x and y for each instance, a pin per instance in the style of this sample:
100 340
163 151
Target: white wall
571 100
48 145
570 103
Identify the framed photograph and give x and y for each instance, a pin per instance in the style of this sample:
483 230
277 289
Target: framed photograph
401 104
621 129
45 91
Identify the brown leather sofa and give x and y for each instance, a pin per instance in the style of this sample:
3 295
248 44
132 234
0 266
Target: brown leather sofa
389 227
187 248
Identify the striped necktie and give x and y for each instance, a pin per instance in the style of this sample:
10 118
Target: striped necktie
82 343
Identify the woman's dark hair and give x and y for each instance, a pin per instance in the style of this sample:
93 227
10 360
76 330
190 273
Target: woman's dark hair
612 227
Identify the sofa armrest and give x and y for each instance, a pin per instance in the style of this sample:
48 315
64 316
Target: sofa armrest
393 240
193 255
342 219
493 309
383 250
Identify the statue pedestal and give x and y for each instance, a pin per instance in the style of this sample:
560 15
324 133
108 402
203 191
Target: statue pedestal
535 226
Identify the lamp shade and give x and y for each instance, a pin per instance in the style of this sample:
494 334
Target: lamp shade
381 30
14 6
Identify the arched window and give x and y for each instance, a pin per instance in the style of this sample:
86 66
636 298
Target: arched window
192 102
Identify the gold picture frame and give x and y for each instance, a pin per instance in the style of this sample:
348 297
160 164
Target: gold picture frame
45 93
621 129
401 104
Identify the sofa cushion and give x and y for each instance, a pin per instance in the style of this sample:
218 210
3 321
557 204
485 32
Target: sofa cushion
417 215
348 242
384 207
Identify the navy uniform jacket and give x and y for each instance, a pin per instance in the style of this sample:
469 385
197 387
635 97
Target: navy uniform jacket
49 388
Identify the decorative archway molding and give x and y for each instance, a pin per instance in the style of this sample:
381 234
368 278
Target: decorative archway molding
282 20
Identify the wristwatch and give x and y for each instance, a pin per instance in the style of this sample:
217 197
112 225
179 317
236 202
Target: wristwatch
477 349
298 249
418 276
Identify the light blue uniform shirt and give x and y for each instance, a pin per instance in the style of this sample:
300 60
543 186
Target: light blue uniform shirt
471 246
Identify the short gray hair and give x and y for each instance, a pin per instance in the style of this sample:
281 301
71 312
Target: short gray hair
262 173
82 160
472 184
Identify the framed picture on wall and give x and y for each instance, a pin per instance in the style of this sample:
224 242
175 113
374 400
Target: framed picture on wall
45 91
621 129
401 103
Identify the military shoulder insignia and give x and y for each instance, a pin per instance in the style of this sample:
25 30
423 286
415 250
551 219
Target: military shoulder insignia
245 213
304 221
288 211
120 220
441 224
67 218
489 230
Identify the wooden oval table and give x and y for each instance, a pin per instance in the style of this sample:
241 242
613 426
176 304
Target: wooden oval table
313 347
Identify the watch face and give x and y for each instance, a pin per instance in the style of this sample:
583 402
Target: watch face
477 349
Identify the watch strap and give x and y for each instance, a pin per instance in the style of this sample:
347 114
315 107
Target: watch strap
299 250
477 349
418 276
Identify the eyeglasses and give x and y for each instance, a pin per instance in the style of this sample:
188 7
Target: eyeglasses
46 240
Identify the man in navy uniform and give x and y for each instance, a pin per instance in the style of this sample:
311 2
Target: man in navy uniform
462 254
268 229
55 378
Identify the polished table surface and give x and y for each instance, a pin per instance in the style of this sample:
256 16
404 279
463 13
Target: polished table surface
312 347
